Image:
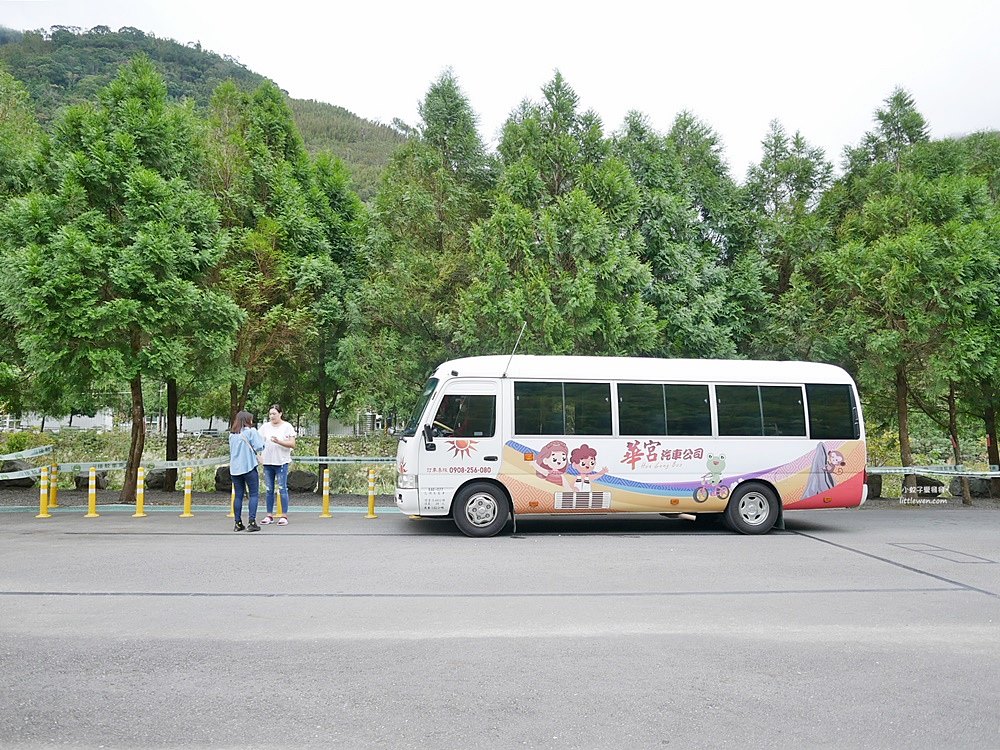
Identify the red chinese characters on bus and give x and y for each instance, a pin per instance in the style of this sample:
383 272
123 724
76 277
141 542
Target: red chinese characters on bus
651 447
633 454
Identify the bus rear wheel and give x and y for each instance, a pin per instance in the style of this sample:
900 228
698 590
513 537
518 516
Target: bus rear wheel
480 509
753 509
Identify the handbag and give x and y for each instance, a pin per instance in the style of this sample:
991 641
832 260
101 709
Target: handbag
260 458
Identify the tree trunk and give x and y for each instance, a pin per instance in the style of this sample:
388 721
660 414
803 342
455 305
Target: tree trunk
234 401
903 416
992 450
138 442
41 427
325 405
324 430
956 449
170 480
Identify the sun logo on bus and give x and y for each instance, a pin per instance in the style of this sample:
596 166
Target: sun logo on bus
463 448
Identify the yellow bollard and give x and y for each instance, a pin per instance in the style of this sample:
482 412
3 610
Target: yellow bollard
371 493
54 486
43 495
232 502
92 495
187 494
326 495
278 510
140 494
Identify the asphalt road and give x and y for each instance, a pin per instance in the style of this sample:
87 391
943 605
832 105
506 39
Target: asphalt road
874 628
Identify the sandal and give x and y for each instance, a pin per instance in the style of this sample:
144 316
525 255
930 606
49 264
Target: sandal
266 520
282 521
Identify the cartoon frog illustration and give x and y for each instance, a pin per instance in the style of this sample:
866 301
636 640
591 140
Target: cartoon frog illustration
716 465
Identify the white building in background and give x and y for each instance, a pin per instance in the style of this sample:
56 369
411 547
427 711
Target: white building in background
102 420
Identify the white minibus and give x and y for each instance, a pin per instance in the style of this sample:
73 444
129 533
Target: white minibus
498 437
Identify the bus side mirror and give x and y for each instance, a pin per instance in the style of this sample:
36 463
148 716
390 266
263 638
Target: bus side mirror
429 438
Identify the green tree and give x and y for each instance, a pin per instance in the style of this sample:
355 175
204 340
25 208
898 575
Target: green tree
561 250
723 229
22 141
912 278
22 147
328 281
417 254
297 225
260 175
900 125
783 192
785 188
105 270
689 287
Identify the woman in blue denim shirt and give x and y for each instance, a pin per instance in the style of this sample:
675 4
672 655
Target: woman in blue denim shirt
244 445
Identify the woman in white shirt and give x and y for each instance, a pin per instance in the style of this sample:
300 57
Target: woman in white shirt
279 439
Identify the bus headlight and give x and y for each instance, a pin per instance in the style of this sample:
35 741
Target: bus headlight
406 481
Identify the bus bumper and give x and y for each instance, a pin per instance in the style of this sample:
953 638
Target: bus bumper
407 502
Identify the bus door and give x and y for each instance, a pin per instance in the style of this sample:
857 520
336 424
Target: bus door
461 442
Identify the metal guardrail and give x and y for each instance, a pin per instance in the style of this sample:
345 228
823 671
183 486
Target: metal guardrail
30 453
948 470
76 467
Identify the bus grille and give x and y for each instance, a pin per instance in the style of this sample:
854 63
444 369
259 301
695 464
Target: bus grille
583 500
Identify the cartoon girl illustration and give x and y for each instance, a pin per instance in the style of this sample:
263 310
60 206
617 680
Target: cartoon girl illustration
552 461
584 459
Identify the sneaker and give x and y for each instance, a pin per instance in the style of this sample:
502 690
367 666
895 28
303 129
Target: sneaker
252 526
266 520
239 526
282 521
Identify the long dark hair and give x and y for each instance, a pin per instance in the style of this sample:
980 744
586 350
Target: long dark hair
243 419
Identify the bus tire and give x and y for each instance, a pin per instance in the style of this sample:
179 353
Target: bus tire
753 509
480 510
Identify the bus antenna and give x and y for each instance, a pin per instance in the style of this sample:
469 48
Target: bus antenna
516 344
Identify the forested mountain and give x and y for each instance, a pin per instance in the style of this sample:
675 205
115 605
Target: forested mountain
66 66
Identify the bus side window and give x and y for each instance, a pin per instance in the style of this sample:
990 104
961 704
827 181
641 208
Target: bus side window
831 412
468 415
739 410
538 409
641 409
688 411
588 408
783 414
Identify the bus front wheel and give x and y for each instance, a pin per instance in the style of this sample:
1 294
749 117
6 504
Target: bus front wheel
480 509
753 509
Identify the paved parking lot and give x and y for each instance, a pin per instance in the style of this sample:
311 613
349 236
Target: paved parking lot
848 629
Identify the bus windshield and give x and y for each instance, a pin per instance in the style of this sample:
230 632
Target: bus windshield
413 424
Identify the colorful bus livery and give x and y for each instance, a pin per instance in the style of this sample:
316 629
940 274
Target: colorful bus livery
496 436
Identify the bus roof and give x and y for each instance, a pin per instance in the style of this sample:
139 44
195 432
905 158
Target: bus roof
642 369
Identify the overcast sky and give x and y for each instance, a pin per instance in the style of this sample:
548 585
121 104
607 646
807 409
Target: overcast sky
819 68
